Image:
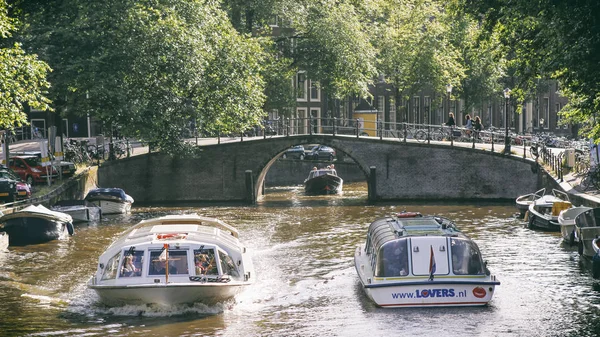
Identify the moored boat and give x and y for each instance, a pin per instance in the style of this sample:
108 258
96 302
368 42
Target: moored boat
79 210
410 260
323 181
523 201
110 200
175 259
566 220
36 224
587 229
543 212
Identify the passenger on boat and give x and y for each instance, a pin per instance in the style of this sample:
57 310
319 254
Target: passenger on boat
159 267
395 259
201 264
129 268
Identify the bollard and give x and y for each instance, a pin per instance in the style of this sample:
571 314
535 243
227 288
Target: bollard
473 136
380 129
492 142
372 183
524 149
428 134
249 187
357 129
310 129
334 124
405 132
451 135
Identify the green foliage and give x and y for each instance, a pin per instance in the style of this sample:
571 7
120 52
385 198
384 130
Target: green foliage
22 78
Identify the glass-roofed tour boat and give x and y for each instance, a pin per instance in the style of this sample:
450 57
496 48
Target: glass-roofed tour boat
174 259
411 260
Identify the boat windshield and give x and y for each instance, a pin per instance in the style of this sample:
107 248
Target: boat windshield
466 258
112 267
392 259
132 263
227 265
177 262
544 210
204 259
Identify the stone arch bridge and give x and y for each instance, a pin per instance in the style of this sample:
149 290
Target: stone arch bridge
394 170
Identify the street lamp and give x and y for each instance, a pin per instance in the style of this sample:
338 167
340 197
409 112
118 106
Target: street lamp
506 139
449 91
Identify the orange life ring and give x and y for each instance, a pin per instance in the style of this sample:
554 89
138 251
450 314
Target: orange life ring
409 215
170 236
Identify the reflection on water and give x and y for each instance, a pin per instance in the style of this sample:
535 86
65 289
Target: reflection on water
306 283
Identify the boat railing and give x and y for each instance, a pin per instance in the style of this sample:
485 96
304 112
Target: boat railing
189 220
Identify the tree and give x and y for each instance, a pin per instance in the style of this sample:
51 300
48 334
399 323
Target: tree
149 68
22 77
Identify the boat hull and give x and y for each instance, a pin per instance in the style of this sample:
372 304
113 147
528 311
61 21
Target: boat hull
430 294
208 293
113 207
324 184
567 231
586 236
32 230
523 207
549 223
81 214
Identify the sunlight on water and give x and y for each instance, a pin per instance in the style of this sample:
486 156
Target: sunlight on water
306 284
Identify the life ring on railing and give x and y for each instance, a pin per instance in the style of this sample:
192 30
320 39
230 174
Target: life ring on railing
409 215
70 228
171 236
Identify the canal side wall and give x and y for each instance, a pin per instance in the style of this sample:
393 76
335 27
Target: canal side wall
236 171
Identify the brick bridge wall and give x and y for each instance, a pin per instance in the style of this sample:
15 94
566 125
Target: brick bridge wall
236 171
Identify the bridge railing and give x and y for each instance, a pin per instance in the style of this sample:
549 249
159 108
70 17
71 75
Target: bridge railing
388 130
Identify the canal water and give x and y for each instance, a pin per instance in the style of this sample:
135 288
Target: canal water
306 283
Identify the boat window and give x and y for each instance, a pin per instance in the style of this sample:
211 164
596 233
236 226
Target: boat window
112 267
466 258
392 259
227 265
204 259
544 210
178 264
132 263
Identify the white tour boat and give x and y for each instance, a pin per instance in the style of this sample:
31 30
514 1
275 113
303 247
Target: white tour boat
566 220
410 260
587 229
111 200
543 212
525 200
175 259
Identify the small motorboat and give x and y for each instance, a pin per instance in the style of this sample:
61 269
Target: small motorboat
79 210
175 259
596 258
587 229
323 181
411 260
543 212
525 200
36 224
110 200
566 220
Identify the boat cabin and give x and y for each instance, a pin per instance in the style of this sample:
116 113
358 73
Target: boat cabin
183 253
421 246
321 172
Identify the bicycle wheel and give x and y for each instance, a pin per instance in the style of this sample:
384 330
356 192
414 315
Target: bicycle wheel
421 136
586 182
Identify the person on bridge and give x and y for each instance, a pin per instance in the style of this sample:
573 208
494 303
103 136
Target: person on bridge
469 125
477 126
450 121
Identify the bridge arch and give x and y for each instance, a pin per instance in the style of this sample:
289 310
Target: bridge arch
394 170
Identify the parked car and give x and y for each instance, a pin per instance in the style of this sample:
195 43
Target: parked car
30 169
68 168
23 190
321 152
8 189
295 152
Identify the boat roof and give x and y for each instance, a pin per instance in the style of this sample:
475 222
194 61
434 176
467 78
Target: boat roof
399 226
180 228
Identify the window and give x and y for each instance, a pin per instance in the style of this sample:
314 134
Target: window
315 92
205 262
112 267
427 112
393 111
132 264
546 120
466 258
301 86
227 265
381 108
416 110
393 259
177 264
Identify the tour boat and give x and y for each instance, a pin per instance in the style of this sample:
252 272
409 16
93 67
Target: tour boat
110 200
174 259
411 260
525 200
79 210
543 212
566 220
323 181
36 224
587 229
